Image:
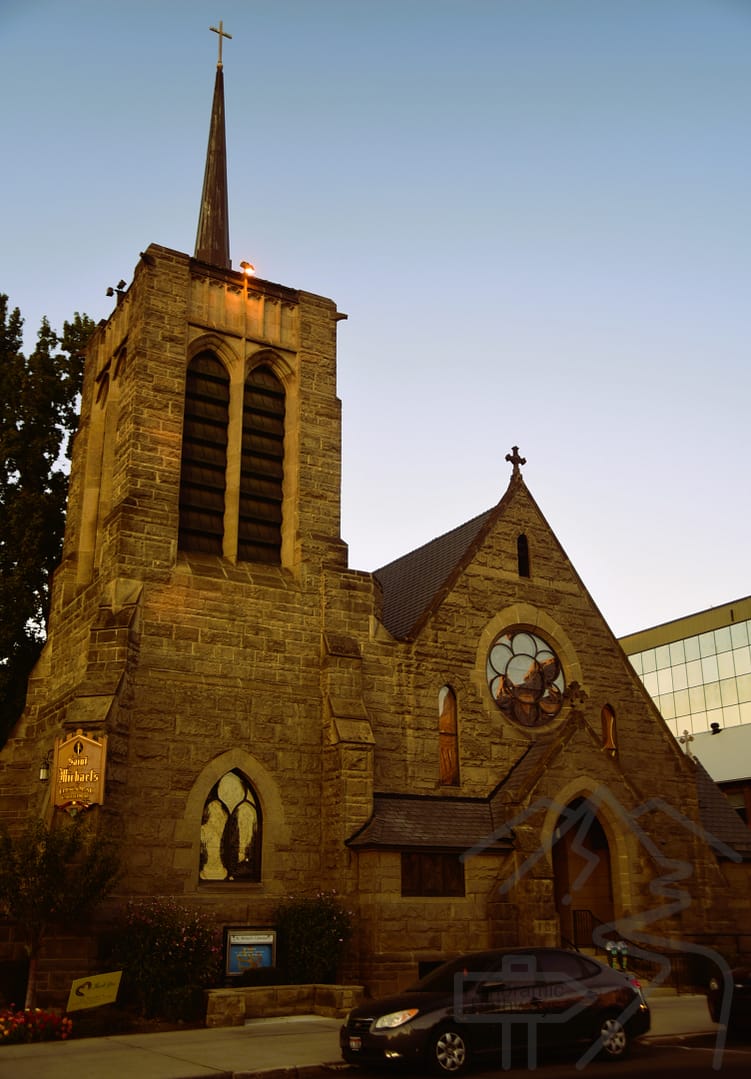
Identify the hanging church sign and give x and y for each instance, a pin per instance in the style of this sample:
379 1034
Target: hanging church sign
78 771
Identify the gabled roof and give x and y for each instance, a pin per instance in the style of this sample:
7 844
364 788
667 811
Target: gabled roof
521 776
718 816
411 583
446 823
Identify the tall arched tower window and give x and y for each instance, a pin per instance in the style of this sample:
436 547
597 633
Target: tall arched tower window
262 472
204 455
231 831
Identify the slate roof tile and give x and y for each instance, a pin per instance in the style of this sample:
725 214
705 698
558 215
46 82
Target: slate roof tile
427 822
410 583
718 816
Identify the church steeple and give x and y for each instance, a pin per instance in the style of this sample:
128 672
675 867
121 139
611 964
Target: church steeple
212 238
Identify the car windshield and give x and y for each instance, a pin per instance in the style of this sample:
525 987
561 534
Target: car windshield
441 980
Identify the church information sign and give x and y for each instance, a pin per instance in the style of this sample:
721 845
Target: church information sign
249 949
78 771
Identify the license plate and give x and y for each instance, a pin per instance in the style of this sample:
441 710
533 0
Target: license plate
355 1044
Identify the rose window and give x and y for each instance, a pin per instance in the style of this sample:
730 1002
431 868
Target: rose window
525 677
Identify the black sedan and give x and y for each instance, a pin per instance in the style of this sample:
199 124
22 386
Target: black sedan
729 999
497 1003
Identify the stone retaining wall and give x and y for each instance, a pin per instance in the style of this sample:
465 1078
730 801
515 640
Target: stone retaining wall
231 1007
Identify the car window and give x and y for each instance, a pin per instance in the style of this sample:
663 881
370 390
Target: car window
565 965
441 980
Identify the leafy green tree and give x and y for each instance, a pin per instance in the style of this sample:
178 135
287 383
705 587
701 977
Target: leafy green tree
53 877
38 416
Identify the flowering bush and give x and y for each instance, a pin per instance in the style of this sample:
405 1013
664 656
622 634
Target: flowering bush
168 954
313 931
32 1025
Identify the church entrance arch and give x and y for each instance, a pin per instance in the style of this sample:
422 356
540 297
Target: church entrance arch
582 871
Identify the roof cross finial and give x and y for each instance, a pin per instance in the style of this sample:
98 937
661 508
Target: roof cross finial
515 460
220 30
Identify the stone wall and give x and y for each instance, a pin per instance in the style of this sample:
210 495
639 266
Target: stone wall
233 1007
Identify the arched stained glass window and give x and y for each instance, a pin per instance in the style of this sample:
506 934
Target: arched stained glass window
204 456
231 832
448 737
262 473
607 718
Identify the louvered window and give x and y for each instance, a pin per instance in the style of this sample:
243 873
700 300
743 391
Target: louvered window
204 456
260 521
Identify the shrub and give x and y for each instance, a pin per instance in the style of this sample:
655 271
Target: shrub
313 932
168 955
32 1025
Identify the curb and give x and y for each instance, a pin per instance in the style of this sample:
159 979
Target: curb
303 1071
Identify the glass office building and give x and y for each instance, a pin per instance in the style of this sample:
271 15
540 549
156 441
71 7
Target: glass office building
697 669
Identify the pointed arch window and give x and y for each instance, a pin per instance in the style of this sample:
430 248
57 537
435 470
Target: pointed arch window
262 470
231 831
607 719
448 737
204 455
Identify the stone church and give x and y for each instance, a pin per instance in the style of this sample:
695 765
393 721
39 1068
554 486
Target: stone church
455 743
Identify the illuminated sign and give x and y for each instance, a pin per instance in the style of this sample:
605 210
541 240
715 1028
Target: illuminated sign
249 949
78 769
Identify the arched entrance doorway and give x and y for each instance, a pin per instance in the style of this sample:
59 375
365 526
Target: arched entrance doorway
582 874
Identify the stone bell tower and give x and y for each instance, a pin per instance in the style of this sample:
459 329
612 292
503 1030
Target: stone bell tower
203 616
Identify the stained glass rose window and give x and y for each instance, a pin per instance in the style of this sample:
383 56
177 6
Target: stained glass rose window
525 677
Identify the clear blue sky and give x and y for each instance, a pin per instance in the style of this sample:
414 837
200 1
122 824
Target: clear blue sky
536 213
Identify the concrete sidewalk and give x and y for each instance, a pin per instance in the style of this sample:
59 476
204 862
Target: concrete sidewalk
287 1046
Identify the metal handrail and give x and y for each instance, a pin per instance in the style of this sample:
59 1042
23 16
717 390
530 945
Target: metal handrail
687 970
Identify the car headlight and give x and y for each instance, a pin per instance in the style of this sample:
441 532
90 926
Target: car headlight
394 1019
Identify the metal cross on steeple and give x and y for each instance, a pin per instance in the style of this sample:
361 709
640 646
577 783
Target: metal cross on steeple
220 30
515 460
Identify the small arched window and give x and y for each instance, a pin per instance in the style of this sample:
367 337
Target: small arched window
204 456
448 737
231 831
262 470
607 717
522 555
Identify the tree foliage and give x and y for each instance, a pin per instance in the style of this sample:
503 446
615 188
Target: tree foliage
38 416
168 954
53 877
313 933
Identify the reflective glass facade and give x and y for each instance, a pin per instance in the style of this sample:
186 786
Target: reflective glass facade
702 679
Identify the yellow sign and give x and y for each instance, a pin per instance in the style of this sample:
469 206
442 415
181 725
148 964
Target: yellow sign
94 990
78 770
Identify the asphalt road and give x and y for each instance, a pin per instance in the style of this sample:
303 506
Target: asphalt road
685 1055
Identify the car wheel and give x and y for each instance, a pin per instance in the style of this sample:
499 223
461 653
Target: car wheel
449 1053
613 1038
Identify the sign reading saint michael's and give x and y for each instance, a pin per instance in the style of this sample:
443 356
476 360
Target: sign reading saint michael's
78 770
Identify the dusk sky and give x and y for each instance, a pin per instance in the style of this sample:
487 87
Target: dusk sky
536 214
